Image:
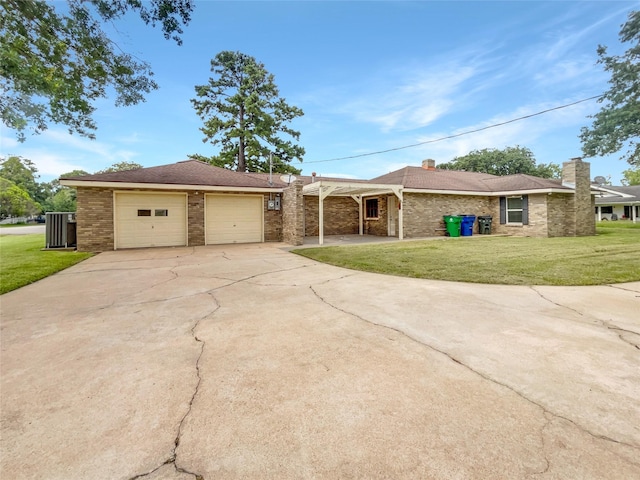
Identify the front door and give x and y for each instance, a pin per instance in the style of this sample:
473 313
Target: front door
392 215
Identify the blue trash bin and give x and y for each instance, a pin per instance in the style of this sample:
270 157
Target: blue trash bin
466 226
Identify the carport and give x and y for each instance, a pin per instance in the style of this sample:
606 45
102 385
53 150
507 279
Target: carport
326 188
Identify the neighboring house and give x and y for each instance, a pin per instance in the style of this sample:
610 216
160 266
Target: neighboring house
193 203
618 203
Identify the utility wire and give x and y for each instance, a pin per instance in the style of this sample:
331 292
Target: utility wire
457 134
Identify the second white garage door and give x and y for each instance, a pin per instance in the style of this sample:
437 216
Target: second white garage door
234 219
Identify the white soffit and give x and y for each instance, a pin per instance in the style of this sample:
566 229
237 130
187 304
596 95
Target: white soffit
347 189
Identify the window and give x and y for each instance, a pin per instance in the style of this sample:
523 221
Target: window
371 208
162 213
144 213
514 210
608 209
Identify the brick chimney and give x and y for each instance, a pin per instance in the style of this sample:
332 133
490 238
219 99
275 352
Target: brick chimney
429 164
579 216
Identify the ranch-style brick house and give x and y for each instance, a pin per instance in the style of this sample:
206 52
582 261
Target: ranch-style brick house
618 203
192 203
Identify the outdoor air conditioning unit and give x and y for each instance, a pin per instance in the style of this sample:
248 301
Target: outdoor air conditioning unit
60 229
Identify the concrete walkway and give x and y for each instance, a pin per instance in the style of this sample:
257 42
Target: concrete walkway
252 362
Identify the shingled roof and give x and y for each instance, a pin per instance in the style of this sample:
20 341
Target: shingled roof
188 172
629 194
198 173
458 181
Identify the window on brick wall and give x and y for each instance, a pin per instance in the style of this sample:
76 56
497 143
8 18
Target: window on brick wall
514 210
371 208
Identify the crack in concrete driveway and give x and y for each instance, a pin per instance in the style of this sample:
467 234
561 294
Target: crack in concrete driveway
479 373
124 369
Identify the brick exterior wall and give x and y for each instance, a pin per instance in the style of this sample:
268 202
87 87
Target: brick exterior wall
340 216
94 217
293 214
272 220
375 226
559 208
423 212
538 219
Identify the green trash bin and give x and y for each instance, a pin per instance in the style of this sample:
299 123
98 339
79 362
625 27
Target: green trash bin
452 223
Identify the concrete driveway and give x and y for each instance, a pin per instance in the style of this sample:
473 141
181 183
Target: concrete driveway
252 362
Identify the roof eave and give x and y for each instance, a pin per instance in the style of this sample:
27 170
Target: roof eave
500 193
166 186
617 201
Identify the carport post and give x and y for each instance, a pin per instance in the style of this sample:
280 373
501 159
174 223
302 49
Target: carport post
320 216
358 198
322 194
398 193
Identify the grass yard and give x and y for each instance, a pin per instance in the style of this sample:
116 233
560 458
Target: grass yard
612 256
23 262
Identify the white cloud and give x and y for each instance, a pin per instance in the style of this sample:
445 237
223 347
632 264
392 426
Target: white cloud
405 96
133 137
539 133
575 71
51 165
524 132
7 144
412 99
63 138
55 152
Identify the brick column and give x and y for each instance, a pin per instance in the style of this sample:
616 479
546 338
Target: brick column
293 214
196 218
580 215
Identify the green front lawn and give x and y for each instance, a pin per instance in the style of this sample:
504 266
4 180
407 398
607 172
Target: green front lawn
612 256
22 261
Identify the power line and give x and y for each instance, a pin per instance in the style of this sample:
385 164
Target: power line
457 134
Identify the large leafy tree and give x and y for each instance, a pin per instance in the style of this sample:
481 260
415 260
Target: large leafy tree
117 167
59 198
631 176
508 161
15 201
23 173
55 64
617 125
244 114
64 200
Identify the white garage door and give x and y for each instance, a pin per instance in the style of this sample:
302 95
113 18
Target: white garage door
150 220
234 219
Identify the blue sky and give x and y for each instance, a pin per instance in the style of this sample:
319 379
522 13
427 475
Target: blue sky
369 76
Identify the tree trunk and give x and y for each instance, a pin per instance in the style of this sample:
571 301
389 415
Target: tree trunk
242 164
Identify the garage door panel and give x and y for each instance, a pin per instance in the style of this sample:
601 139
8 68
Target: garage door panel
150 220
234 219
